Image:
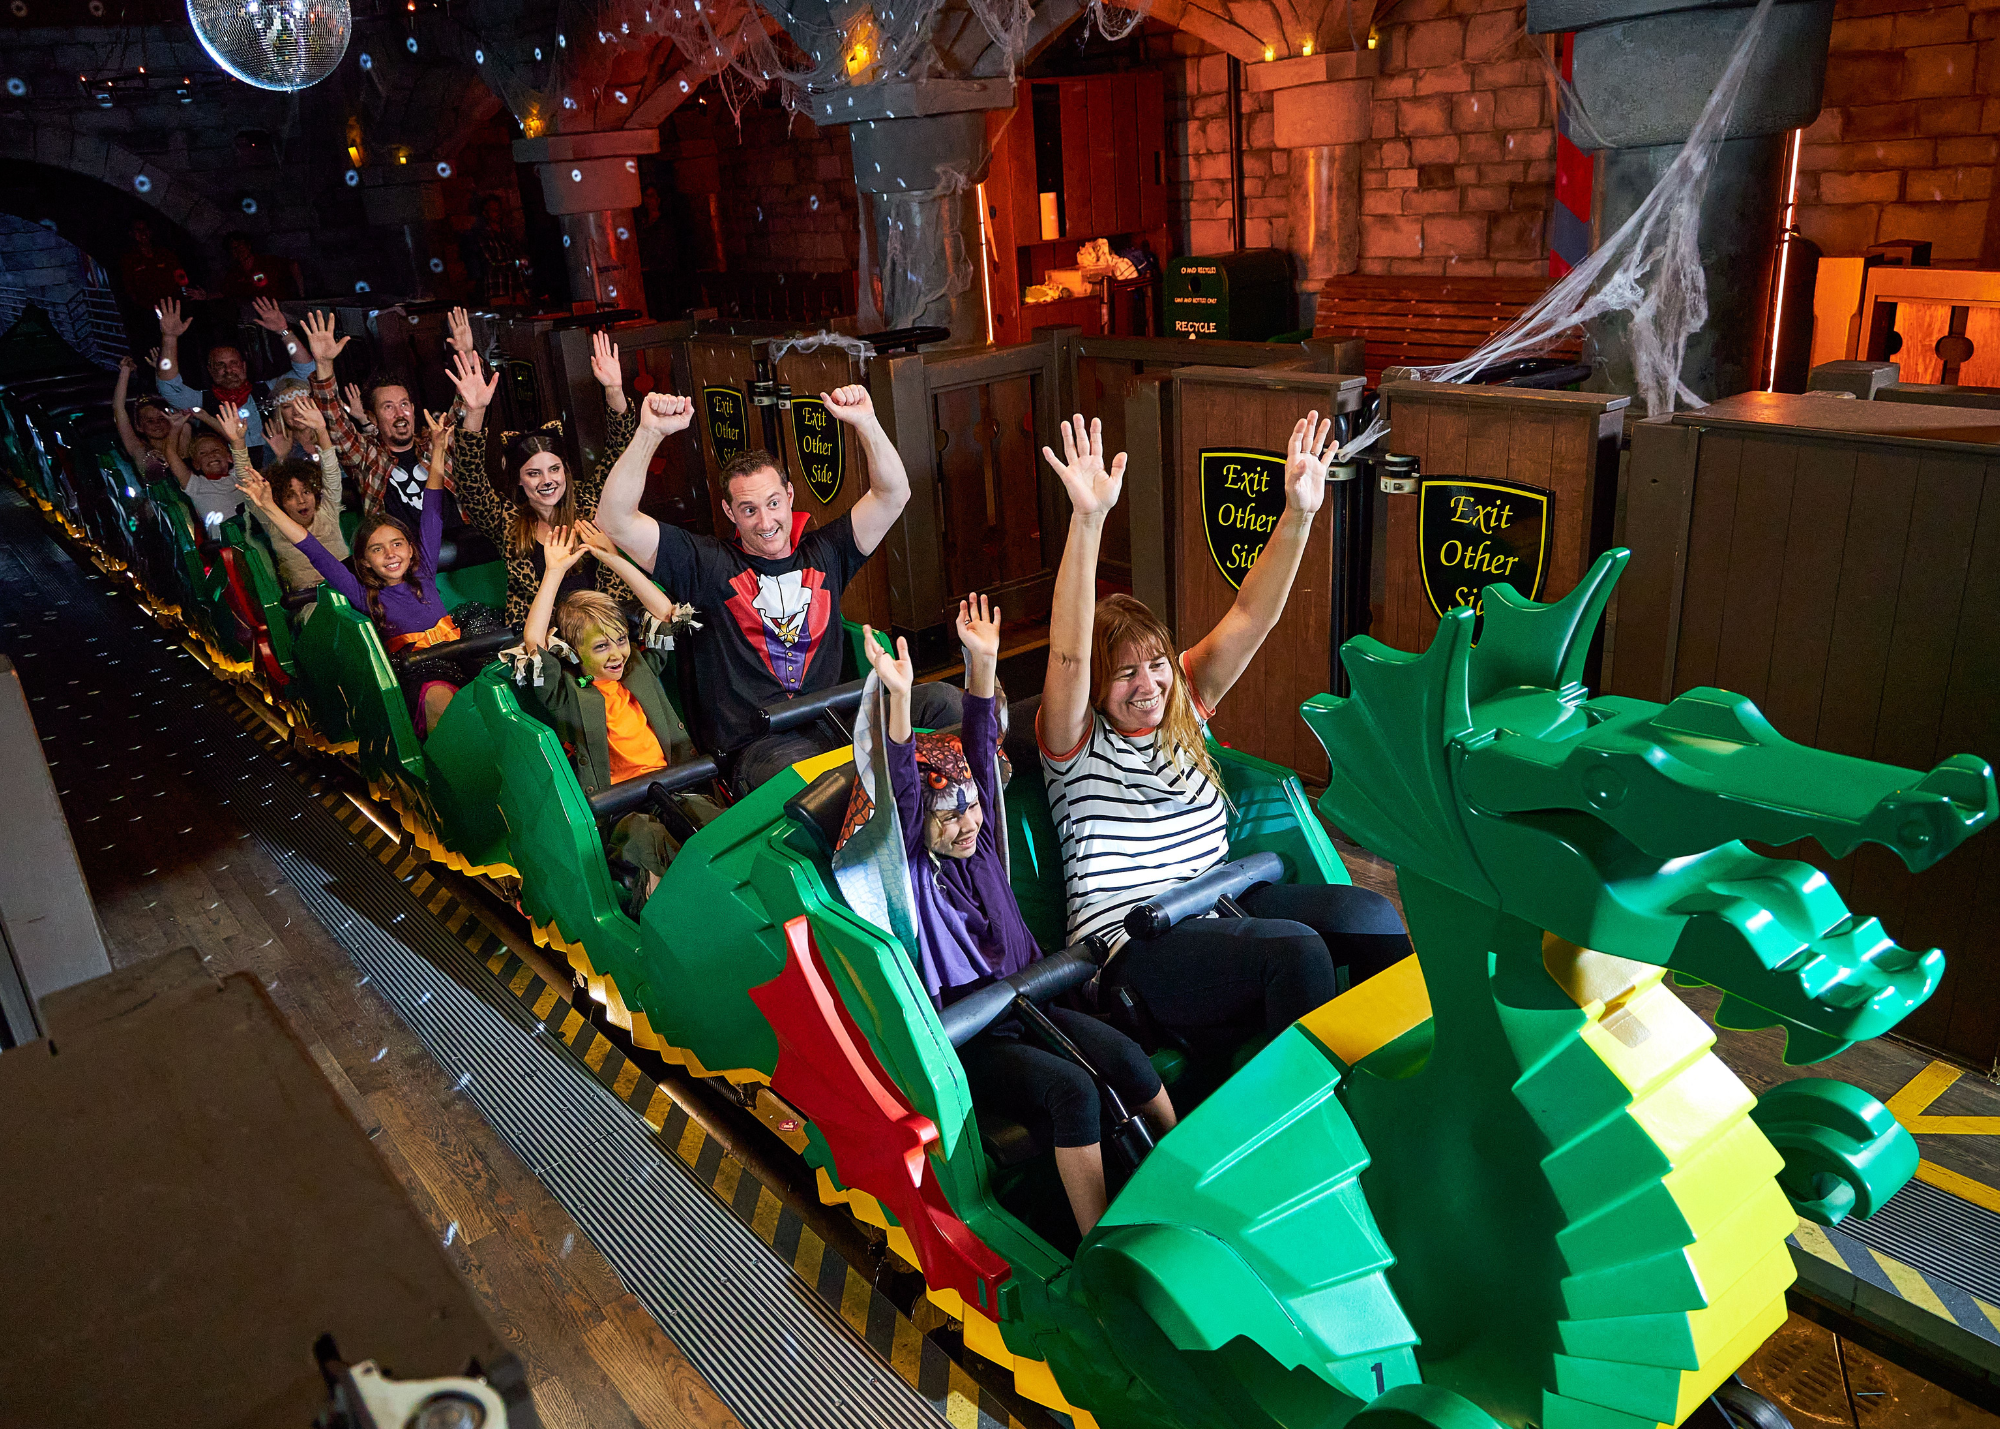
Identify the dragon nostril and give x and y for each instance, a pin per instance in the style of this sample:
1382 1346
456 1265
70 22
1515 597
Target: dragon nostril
1604 787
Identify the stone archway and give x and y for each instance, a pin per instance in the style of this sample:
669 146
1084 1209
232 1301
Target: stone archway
175 197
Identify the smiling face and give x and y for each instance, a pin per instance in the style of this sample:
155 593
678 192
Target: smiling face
395 414
209 456
226 368
387 552
605 654
543 480
1141 680
760 505
952 832
151 422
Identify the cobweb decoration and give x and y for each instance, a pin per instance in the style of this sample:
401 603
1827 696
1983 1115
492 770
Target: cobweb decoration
923 255
855 347
1650 268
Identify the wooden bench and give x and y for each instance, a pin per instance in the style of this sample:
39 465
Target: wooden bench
1419 321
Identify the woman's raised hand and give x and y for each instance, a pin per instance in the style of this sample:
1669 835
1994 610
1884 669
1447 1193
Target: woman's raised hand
473 390
126 367
897 673
604 362
1307 452
1093 490
665 413
351 402
304 413
458 331
979 627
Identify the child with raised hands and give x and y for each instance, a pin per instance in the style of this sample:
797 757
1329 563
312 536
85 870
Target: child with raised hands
612 715
970 930
206 474
306 487
392 576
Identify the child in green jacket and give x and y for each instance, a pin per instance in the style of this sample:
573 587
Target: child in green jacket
614 719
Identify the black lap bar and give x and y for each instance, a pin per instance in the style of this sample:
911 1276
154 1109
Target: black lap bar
622 799
787 715
492 642
1038 982
1199 894
299 599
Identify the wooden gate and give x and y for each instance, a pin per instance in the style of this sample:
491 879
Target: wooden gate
1839 563
1225 419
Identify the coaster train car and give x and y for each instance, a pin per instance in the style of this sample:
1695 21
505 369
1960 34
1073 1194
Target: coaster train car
1506 1182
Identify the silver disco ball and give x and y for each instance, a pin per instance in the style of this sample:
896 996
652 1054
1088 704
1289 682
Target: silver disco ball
273 44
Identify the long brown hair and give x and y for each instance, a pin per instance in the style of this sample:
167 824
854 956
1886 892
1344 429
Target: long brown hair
363 572
1122 622
521 525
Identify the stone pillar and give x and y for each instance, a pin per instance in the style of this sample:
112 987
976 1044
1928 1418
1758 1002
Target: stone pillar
919 151
408 198
1323 112
1643 77
590 183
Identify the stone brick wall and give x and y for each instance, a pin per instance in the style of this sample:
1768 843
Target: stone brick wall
786 187
1457 178
1907 143
1460 174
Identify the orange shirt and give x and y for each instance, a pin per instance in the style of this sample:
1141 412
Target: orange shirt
635 749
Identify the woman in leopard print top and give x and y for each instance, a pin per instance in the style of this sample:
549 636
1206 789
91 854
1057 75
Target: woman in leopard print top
532 494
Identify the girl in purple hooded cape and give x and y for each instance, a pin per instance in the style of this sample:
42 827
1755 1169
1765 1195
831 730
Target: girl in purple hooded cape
970 930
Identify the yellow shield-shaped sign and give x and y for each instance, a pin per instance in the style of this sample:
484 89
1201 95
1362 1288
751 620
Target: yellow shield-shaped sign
1473 532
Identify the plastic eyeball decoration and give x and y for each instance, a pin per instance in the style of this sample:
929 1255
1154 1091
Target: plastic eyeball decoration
623 234
143 184
813 203
479 57
411 44
353 178
444 170
576 176
17 87
437 265
538 54
250 206
619 95
561 43
367 60
611 292
274 44
565 240
631 166
361 288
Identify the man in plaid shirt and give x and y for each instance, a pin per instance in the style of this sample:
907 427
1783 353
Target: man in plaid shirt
389 468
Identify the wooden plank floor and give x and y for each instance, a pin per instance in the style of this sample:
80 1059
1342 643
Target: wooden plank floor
168 870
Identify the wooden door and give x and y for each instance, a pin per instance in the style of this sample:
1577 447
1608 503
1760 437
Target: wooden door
809 374
1217 410
1561 444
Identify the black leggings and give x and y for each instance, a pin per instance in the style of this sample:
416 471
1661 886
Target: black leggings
1049 1094
1266 971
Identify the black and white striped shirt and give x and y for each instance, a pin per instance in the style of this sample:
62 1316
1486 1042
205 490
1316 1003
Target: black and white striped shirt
1131 823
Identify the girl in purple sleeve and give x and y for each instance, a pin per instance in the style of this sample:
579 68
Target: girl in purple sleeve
970 928
391 576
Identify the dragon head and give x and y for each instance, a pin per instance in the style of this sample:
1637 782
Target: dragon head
1618 824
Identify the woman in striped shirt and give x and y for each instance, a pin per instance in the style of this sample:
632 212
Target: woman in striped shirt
1136 797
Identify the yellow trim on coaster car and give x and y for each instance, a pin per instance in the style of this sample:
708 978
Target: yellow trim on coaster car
1032 1377
1372 1014
811 769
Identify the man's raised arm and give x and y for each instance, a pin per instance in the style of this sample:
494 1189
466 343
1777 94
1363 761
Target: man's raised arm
888 482
618 513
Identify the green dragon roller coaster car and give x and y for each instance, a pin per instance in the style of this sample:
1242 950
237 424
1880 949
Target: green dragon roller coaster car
1503 1183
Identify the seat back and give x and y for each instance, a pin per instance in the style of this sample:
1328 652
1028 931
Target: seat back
554 842
1417 321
